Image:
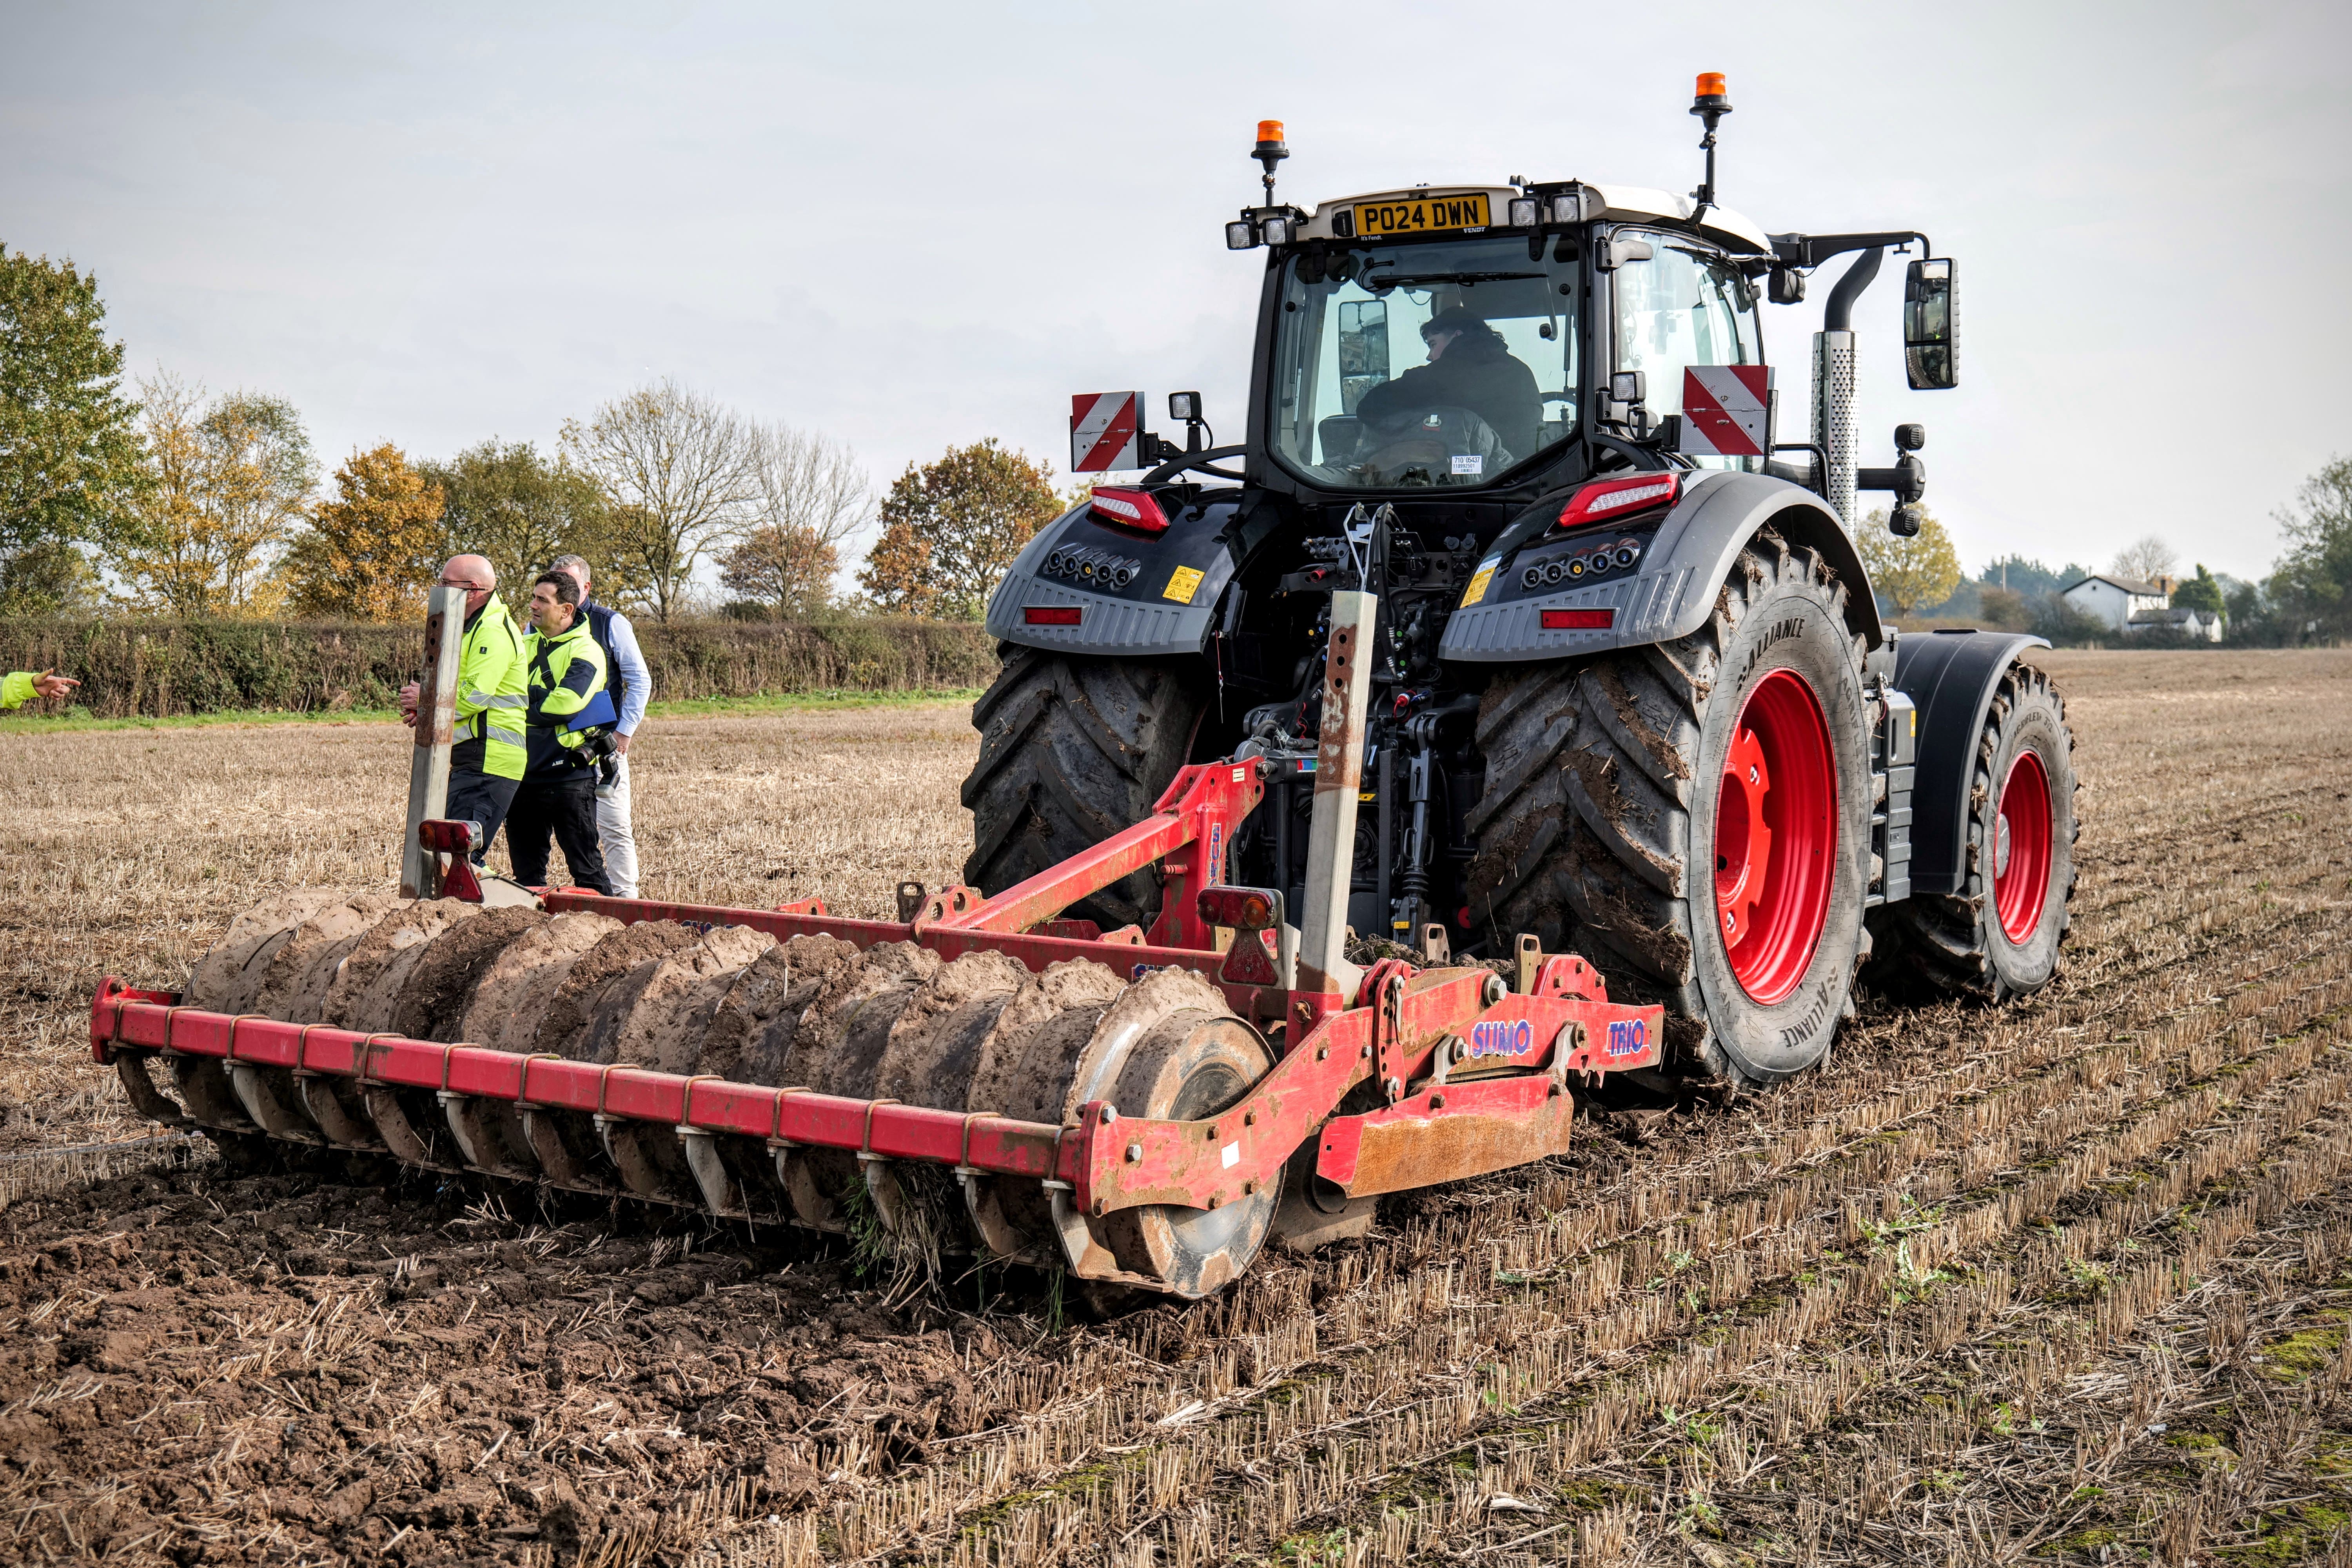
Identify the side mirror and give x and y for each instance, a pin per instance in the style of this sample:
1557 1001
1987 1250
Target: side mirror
1930 343
1620 249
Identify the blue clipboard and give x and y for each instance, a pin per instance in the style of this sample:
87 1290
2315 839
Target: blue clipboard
600 711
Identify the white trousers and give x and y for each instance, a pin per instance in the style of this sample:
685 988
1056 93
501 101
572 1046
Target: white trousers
613 828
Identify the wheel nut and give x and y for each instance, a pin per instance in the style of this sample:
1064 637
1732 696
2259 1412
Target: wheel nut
1135 1153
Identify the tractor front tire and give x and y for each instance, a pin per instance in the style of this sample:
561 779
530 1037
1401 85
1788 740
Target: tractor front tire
2001 937
1694 819
1073 749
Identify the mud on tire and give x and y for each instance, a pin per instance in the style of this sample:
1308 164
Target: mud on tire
1936 945
1073 749
1596 828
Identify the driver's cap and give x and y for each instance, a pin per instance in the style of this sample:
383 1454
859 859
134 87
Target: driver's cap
1460 319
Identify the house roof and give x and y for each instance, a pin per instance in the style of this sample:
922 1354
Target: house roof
2178 614
2137 590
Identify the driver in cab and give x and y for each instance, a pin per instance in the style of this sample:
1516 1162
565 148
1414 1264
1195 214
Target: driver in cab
1469 367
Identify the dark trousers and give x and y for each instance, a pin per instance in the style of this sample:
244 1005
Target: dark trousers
484 798
565 808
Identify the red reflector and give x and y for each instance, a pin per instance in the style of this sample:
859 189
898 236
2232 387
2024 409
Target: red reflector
1240 909
1616 498
1579 620
1051 615
1128 509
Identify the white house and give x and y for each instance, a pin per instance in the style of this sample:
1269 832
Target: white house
2203 624
2116 601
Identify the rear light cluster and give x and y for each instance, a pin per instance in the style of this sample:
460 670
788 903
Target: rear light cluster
1572 568
1579 620
1051 615
1095 568
1124 507
1238 909
1608 499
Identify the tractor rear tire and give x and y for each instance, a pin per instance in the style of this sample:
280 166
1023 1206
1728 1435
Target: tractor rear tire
1607 777
1999 938
1073 749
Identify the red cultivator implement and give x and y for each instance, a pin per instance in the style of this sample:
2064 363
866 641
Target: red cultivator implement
1138 1108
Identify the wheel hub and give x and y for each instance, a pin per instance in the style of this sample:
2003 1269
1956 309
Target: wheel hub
1743 839
1776 838
2022 845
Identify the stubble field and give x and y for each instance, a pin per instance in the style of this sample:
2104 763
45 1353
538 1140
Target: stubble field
2064 1281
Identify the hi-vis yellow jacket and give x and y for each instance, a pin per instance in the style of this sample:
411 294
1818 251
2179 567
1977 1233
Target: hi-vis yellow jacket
493 689
566 671
15 688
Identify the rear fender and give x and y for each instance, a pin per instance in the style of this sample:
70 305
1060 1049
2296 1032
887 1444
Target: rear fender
1950 677
1689 556
1166 607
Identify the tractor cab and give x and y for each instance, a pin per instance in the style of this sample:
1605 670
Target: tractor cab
1464 338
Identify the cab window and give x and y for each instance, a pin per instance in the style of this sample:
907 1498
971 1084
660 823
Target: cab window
1442 364
1684 306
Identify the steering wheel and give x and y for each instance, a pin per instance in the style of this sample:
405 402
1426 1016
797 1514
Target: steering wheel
1417 446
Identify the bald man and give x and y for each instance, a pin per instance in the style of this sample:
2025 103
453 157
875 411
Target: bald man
486 764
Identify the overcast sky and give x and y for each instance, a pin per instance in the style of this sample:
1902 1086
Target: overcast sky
909 226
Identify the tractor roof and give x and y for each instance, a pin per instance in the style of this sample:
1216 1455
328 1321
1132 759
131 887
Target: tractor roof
1616 202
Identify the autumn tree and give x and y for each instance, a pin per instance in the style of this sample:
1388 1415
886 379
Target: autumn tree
781 572
225 490
375 547
1921 570
949 530
68 441
507 503
2144 559
682 473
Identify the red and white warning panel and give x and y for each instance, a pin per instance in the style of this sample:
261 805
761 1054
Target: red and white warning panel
1726 410
1105 431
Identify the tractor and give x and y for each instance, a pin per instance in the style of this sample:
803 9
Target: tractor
1633 694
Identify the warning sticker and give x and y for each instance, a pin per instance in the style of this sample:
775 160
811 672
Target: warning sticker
1477 588
1182 583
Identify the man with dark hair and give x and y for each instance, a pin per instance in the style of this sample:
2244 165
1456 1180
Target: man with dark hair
486 762
632 684
1469 367
566 672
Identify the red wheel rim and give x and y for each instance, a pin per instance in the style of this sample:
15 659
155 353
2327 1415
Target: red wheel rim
2021 851
1776 837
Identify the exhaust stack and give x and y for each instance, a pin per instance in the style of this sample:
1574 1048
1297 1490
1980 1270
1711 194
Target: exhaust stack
1833 386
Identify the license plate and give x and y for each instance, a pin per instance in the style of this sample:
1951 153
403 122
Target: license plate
1423 215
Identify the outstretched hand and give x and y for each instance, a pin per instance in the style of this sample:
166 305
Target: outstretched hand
49 683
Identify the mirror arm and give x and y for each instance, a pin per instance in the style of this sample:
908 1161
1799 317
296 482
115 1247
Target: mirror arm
1811 249
1179 461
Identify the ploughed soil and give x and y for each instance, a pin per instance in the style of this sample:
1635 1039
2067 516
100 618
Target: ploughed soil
300 1364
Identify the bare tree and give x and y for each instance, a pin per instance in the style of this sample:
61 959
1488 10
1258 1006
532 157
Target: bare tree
682 473
2145 560
813 496
812 485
